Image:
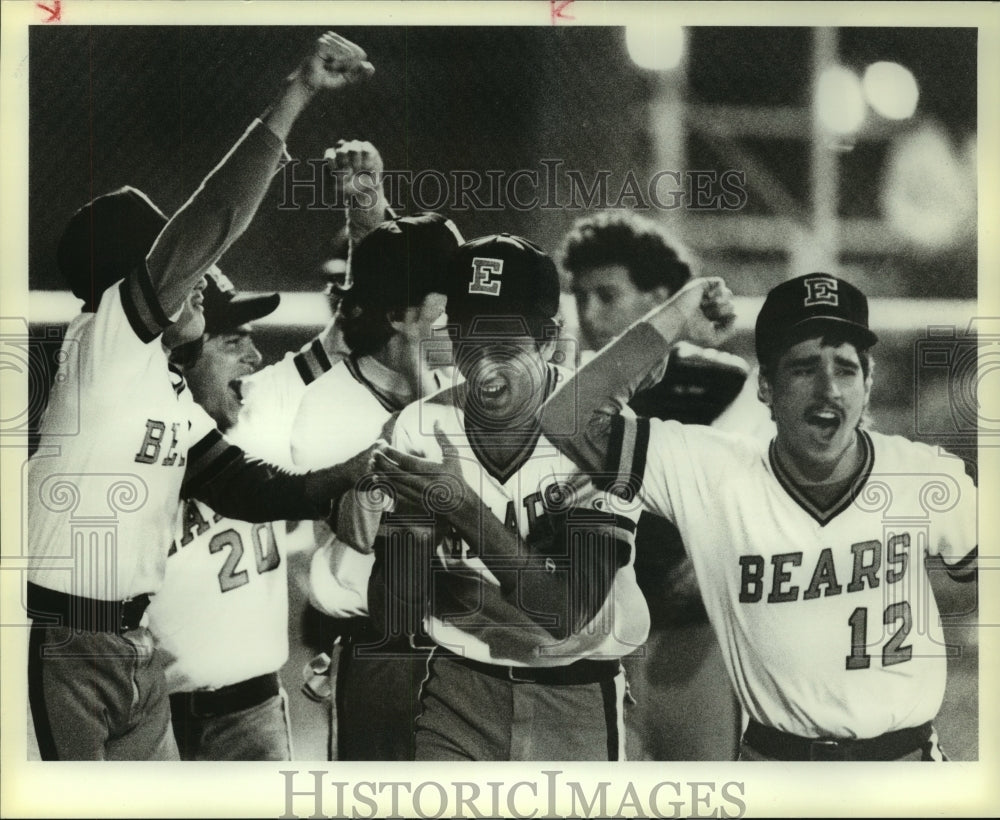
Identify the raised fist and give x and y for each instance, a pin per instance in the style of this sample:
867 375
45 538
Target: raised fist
335 62
707 305
359 164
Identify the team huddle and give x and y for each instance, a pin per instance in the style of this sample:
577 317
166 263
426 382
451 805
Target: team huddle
504 543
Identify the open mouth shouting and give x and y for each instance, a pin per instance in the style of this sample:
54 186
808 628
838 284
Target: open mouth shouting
824 420
503 392
493 389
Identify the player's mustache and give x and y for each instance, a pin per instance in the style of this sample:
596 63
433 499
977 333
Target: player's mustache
826 407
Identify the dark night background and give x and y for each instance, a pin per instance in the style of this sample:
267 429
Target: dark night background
157 107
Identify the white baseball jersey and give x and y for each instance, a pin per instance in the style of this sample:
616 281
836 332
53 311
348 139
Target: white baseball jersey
271 399
825 616
341 414
104 484
221 616
121 431
541 494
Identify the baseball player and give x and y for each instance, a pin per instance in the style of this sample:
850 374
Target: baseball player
811 551
388 319
620 266
103 503
227 701
525 573
225 578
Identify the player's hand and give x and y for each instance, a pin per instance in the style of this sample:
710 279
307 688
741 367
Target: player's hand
359 165
707 305
335 62
436 488
360 467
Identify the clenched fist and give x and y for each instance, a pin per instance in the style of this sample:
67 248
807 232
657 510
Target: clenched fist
358 162
707 306
334 63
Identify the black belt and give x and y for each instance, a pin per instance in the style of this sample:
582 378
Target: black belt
783 746
86 614
573 674
371 637
226 700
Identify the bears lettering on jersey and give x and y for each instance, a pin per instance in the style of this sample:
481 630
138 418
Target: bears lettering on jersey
152 443
866 566
193 524
551 500
867 572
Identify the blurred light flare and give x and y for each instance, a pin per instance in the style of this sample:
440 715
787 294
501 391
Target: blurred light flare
891 89
840 102
655 47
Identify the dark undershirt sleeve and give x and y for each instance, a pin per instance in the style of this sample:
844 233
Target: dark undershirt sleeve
237 486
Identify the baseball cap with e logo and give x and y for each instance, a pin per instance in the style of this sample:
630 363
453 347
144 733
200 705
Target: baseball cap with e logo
815 300
486 275
820 290
502 275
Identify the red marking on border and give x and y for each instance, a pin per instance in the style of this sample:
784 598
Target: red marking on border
557 7
54 11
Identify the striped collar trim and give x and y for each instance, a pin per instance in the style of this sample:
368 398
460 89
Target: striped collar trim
822 515
382 392
521 448
177 379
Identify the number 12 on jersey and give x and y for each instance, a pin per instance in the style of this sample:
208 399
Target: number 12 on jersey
894 651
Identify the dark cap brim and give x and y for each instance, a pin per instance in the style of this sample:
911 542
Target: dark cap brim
240 310
860 334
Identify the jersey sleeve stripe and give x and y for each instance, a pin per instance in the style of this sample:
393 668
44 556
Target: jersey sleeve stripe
141 305
141 325
312 362
616 453
206 459
151 297
626 456
639 459
588 517
964 570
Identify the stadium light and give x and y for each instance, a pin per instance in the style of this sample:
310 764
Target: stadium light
840 102
891 90
655 47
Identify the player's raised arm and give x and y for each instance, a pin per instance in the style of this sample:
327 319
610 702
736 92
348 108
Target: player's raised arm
222 207
359 165
701 312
